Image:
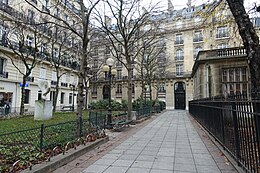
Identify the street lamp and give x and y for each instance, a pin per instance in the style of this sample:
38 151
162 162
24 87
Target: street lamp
111 73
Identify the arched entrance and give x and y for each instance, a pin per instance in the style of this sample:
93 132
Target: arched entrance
105 92
179 95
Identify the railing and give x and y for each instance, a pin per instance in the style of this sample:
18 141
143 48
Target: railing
179 42
143 112
231 52
30 79
97 119
63 84
234 122
197 39
28 147
4 75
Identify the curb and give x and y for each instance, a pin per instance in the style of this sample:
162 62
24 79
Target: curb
60 160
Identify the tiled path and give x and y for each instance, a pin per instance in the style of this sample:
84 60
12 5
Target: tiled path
170 143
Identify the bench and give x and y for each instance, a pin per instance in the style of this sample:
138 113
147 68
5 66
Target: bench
120 121
66 108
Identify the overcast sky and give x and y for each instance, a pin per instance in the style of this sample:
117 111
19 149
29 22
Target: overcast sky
179 4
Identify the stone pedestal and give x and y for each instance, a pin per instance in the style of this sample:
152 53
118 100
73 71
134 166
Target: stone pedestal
43 110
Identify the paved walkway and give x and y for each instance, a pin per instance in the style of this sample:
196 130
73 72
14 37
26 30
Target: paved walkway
170 143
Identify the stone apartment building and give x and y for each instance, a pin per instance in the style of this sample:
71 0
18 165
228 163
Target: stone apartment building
184 32
11 78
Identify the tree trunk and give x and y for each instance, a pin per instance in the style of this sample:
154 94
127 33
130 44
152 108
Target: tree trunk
23 95
55 99
150 91
86 99
129 92
250 41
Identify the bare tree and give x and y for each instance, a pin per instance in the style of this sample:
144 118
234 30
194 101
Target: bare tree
24 42
250 41
81 28
152 61
125 35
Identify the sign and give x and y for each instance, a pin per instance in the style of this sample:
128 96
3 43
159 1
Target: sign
26 85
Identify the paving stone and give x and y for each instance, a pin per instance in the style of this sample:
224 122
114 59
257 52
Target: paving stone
124 163
142 164
184 167
162 165
116 169
138 170
95 169
207 169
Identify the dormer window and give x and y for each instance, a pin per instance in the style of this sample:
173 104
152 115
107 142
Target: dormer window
179 23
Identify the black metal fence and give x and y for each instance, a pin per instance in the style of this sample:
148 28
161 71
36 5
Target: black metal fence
30 146
234 122
97 119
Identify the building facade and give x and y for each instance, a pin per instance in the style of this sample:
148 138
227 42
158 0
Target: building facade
221 72
184 33
50 43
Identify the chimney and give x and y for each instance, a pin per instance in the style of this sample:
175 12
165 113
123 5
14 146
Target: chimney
170 6
108 21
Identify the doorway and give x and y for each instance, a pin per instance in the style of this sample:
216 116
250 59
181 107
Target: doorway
180 95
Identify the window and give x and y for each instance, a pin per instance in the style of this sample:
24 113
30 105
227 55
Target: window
234 80
179 24
62 95
161 87
196 51
2 65
39 95
2 34
179 69
178 39
55 53
63 78
119 74
222 46
70 98
30 14
42 73
27 96
72 79
107 51
4 1
95 63
54 76
222 32
94 89
197 20
29 40
119 89
52 95
57 12
65 17
198 36
179 55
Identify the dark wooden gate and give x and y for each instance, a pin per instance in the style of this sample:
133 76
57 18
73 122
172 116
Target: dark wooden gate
179 95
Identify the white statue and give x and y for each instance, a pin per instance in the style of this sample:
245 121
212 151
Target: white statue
44 87
43 107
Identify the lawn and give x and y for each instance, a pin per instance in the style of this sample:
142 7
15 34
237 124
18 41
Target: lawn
27 122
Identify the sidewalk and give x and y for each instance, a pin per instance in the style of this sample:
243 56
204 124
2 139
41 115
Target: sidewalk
172 142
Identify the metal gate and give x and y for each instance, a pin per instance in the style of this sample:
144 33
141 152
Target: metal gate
179 95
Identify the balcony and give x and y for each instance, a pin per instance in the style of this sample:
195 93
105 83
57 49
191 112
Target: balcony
63 84
179 58
53 82
4 75
30 79
222 35
197 39
177 42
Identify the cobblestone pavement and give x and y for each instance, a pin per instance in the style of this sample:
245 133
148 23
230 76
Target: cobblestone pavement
171 142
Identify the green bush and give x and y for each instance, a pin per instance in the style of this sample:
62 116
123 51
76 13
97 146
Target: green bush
103 104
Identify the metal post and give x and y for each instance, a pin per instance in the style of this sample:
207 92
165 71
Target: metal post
109 114
236 135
